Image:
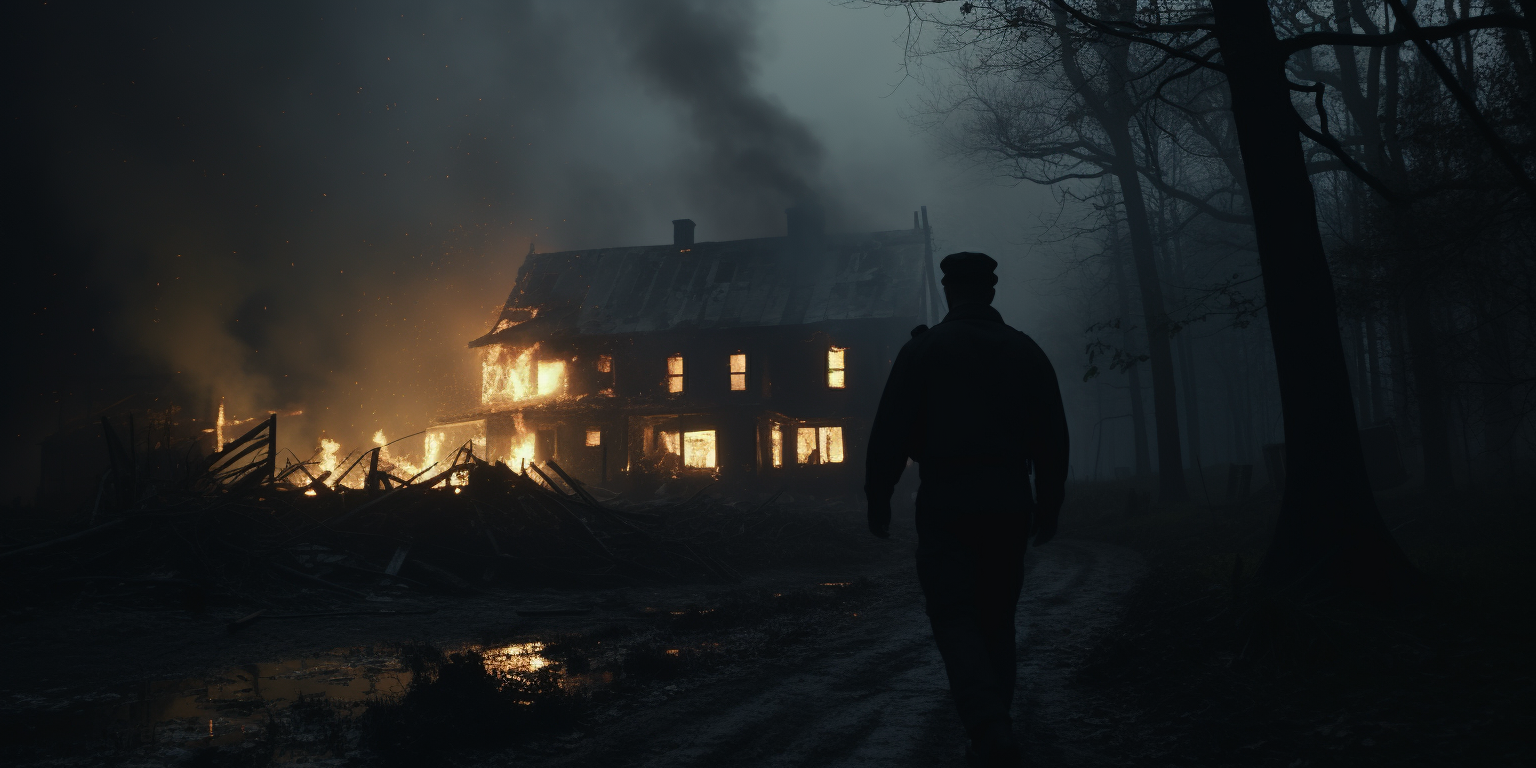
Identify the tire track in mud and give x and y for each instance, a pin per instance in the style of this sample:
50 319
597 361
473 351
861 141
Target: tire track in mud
875 694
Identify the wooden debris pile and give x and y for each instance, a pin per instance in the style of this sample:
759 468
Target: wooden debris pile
234 524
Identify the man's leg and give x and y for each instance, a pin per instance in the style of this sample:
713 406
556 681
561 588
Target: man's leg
962 608
1002 578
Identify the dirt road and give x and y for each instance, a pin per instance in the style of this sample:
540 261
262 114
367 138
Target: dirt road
859 687
875 694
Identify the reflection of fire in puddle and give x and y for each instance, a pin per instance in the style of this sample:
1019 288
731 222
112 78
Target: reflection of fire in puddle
306 697
519 659
515 658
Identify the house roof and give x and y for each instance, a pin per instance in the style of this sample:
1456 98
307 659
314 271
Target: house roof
770 281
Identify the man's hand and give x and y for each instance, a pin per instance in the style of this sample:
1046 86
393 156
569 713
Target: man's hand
1045 525
880 516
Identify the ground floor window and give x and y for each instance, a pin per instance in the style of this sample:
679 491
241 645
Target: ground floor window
699 449
819 445
776 445
829 440
594 437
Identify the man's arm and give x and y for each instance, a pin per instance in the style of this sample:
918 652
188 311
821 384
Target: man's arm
1050 446
890 440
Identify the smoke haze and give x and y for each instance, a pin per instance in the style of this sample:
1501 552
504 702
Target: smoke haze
313 206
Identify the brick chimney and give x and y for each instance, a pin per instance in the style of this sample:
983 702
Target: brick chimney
682 233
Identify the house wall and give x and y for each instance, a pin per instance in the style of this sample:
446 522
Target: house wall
786 382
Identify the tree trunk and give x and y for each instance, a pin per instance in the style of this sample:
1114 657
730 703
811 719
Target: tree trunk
1429 394
1191 399
1133 374
1190 387
1112 109
1398 358
1373 357
1359 378
1329 535
1165 404
1499 416
1139 422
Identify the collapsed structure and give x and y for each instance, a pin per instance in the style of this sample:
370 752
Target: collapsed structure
760 358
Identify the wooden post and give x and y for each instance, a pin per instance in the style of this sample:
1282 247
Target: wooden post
373 472
935 306
272 448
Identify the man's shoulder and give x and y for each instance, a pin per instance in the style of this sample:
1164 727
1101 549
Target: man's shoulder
971 328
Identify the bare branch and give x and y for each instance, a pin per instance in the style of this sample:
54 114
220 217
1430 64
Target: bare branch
1404 33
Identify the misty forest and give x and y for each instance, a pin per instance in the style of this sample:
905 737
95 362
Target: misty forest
614 383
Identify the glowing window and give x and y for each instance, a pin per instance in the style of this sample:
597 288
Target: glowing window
594 437
738 372
829 443
669 442
675 374
699 449
776 445
605 363
819 445
835 372
551 377
805 446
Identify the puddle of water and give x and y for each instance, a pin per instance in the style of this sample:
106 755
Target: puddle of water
519 658
241 704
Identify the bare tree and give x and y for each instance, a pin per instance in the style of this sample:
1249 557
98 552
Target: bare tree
1330 534
1061 108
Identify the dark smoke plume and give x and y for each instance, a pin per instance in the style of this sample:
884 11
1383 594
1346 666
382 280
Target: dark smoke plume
312 206
701 54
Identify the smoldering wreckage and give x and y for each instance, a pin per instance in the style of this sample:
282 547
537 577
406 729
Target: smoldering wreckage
655 413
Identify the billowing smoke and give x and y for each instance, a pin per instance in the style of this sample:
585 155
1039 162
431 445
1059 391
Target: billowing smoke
701 54
305 206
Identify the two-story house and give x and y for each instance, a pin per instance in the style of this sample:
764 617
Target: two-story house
746 359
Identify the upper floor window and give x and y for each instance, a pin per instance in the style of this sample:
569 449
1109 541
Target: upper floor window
738 372
675 374
605 365
836 375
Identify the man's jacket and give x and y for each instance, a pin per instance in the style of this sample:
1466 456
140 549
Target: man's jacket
971 397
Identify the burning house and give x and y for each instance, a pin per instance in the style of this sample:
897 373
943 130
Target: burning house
745 359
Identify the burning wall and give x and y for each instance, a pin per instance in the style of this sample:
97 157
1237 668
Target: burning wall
511 375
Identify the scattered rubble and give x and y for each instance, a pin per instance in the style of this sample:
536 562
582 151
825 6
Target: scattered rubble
236 525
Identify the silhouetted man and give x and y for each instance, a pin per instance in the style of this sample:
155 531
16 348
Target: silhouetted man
975 403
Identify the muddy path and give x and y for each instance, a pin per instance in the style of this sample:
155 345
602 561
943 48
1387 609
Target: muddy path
874 694
861 687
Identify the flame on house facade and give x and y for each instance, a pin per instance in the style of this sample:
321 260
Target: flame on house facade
760 358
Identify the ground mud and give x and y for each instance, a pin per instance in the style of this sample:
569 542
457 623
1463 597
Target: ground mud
795 667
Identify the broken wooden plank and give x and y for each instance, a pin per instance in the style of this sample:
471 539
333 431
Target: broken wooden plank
393 569
223 453
244 621
574 484
343 475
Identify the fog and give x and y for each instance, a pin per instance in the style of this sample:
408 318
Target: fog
312 208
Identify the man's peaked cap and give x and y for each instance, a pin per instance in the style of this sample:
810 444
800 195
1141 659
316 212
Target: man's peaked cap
968 270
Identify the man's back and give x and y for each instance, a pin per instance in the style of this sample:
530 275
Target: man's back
971 395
